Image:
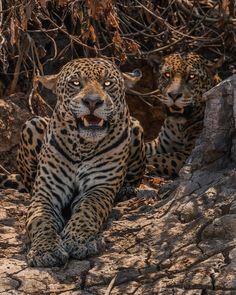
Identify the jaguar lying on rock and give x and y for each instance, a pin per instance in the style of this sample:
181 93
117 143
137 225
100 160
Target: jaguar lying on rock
79 158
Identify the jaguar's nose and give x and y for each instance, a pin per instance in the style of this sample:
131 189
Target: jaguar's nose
175 95
92 102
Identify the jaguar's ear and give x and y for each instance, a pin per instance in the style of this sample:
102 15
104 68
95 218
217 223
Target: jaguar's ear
215 64
132 78
48 81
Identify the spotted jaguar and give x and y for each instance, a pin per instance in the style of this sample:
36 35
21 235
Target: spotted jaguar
183 80
77 161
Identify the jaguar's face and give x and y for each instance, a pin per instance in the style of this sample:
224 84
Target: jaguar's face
183 81
91 96
92 92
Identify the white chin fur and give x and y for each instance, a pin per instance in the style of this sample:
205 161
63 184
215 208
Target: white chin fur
93 136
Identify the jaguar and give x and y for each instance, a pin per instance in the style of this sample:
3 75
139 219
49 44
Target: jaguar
75 163
184 78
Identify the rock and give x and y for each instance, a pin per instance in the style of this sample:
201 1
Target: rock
217 139
221 228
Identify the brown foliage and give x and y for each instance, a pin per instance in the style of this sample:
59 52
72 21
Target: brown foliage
38 33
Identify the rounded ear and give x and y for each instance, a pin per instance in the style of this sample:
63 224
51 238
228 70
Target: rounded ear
48 81
132 78
213 67
215 64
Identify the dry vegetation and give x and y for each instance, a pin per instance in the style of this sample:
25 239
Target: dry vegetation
38 36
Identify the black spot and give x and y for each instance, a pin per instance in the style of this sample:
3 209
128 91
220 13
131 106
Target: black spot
51 164
166 141
23 190
39 223
38 146
28 179
33 175
136 142
44 169
33 153
173 163
11 184
72 128
30 133
63 131
136 131
39 130
166 171
81 141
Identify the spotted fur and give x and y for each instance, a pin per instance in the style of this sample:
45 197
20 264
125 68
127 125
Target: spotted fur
74 172
183 80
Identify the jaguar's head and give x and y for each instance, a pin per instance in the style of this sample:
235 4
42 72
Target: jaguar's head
91 94
183 80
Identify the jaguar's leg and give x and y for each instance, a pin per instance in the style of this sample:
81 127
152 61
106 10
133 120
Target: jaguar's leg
81 235
136 166
51 193
31 140
137 158
98 185
167 165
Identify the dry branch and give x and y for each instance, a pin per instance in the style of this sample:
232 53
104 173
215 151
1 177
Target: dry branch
59 30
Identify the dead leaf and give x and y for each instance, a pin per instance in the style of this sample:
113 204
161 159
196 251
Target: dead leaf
113 20
92 33
117 40
14 30
24 20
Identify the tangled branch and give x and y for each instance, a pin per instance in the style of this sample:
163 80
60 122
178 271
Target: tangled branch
36 34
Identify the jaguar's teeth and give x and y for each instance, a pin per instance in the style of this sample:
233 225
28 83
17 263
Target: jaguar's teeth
86 123
100 124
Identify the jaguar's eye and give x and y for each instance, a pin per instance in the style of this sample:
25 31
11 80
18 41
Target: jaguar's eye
167 74
76 83
107 83
191 76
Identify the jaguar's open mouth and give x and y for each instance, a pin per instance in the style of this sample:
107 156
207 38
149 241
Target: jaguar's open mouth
175 109
92 122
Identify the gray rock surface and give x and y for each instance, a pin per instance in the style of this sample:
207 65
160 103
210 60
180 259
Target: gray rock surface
183 243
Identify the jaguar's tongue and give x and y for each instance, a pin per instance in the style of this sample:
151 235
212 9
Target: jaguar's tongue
91 120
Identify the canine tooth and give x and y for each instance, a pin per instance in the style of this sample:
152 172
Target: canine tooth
86 123
100 124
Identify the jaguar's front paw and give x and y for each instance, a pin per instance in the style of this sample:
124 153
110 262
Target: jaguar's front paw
47 254
79 250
